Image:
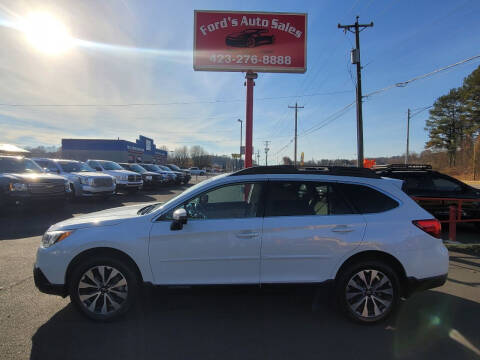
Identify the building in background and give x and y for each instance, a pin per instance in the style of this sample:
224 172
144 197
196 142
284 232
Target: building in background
142 150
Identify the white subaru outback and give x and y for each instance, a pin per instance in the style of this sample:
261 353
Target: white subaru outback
343 226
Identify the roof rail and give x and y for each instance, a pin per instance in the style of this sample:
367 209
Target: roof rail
403 167
320 170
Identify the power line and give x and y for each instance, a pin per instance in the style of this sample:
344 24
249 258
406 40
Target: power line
405 83
174 103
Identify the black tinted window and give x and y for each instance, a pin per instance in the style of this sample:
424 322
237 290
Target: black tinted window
446 185
367 200
297 198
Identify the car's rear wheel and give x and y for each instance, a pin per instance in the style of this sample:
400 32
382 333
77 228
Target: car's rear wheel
368 292
103 288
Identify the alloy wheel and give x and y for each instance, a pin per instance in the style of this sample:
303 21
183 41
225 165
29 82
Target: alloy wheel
369 294
102 290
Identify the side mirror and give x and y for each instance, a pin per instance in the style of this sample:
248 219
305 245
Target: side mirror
179 219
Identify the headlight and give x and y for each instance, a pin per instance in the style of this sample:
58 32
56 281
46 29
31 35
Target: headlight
18 187
53 237
148 177
122 177
67 186
84 180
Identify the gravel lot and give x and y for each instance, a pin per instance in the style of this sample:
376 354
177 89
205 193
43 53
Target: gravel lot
222 323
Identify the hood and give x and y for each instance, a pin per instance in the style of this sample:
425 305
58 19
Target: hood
120 172
90 174
31 178
100 218
150 173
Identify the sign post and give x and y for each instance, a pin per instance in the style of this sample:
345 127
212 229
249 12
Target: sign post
249 42
250 83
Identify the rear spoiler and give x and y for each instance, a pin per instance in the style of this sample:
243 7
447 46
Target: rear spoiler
397 182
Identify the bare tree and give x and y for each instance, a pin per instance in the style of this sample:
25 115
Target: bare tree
287 161
200 157
181 157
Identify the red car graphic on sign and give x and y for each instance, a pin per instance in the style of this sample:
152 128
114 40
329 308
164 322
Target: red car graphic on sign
249 38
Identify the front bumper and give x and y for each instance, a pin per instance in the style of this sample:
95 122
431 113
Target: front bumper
129 185
414 285
44 286
97 191
25 198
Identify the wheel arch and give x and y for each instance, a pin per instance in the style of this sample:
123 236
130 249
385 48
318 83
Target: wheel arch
378 256
102 251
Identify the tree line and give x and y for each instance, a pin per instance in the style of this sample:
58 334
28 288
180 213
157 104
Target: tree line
454 126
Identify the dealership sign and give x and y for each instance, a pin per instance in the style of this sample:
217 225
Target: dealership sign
250 41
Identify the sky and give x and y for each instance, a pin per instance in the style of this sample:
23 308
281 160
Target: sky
140 52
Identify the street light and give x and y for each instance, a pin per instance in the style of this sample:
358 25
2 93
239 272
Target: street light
241 138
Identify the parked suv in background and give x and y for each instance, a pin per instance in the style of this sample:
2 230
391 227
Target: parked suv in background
22 181
186 173
197 171
179 176
83 180
150 178
168 176
421 181
125 179
343 226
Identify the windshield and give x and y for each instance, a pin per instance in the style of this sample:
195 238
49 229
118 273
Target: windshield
151 167
18 165
136 168
166 168
175 167
74 166
110 165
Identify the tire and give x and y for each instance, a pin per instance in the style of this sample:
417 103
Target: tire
98 300
72 196
371 283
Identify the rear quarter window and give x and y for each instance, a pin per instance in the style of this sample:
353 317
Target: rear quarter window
367 200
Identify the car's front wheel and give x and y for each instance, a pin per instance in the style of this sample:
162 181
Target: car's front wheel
103 288
368 292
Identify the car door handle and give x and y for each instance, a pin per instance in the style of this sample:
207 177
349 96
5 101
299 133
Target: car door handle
342 229
247 234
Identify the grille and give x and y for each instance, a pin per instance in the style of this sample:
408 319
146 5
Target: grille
102 181
46 188
158 177
133 178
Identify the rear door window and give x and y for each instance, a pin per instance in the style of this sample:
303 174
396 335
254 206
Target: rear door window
442 184
297 198
367 200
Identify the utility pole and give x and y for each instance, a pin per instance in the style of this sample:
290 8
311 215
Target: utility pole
258 157
408 136
355 55
266 152
296 107
475 159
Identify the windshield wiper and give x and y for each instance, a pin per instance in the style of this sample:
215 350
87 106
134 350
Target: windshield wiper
149 208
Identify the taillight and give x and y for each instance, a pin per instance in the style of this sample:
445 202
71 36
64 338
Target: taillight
431 226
